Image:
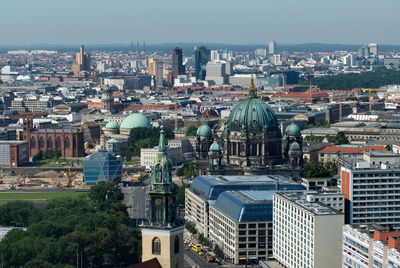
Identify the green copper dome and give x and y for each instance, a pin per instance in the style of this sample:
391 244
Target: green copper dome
215 147
204 131
252 114
112 125
294 146
135 120
293 130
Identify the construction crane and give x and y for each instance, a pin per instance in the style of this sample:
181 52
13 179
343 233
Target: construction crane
370 97
71 175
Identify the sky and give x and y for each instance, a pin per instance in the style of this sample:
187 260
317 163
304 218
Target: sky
73 22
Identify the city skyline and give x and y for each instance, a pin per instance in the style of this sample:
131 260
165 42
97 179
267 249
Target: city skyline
103 22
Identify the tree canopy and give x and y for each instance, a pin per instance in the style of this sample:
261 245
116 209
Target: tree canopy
375 79
94 228
316 169
191 131
142 137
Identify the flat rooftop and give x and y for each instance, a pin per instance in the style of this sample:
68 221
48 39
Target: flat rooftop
316 208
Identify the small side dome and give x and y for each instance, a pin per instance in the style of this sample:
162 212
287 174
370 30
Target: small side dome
135 120
294 146
204 131
215 147
293 130
112 125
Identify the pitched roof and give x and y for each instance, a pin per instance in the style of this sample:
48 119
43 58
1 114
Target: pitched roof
352 149
152 263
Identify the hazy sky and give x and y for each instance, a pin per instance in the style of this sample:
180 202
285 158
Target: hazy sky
217 21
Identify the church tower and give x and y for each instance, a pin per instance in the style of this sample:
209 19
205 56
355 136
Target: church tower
162 232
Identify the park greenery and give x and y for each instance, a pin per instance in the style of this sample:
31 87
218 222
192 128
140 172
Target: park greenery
188 170
338 139
191 131
316 169
375 79
142 137
46 154
89 231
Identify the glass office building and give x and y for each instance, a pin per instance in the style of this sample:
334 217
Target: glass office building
102 166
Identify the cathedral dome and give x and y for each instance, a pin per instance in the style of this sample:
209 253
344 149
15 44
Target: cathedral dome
135 120
254 115
204 131
294 146
112 125
215 147
293 130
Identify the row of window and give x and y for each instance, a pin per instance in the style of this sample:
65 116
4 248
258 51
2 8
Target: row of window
49 142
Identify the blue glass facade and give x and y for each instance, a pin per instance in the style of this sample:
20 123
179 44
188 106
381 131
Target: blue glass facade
102 166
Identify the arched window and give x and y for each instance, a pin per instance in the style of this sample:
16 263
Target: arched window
66 142
41 144
58 143
33 142
176 245
156 246
49 143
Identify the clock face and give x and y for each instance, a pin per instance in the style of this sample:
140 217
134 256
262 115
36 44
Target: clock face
158 201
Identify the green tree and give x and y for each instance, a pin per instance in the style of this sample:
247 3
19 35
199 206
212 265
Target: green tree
191 131
316 169
95 225
16 213
188 170
218 252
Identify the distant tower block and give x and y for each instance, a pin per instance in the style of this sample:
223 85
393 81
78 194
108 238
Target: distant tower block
272 47
82 61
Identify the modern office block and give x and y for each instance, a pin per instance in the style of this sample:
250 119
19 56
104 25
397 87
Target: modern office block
306 234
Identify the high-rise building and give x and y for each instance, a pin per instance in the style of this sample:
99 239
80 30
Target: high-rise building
272 47
260 52
82 61
177 66
216 72
202 55
373 49
363 51
156 71
306 234
177 59
162 232
371 186
214 55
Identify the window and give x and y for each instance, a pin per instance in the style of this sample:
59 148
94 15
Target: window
176 245
33 142
41 145
66 142
156 246
58 143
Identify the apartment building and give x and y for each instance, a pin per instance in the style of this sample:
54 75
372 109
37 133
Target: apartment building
367 246
371 187
306 234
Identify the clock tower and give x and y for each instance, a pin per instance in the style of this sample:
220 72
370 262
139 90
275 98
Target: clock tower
162 232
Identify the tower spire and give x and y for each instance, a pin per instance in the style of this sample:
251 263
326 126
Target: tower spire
161 144
252 89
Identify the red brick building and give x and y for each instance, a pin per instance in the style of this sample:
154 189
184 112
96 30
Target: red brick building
69 141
